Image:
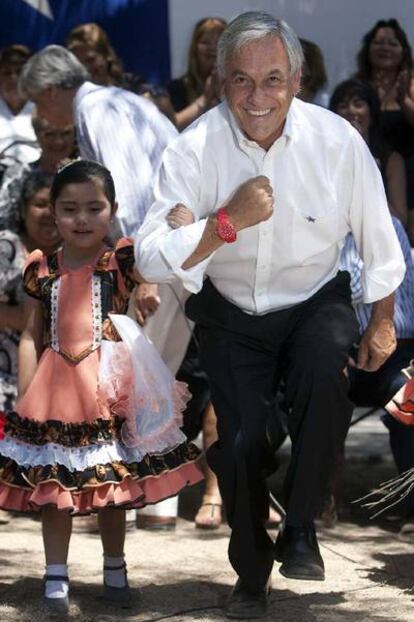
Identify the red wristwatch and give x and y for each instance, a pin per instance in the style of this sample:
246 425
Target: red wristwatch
224 229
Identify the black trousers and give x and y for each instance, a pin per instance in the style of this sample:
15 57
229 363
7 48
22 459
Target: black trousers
245 358
376 389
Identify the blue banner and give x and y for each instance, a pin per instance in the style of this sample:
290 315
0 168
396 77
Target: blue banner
138 29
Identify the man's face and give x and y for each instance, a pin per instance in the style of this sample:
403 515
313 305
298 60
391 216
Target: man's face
55 105
259 89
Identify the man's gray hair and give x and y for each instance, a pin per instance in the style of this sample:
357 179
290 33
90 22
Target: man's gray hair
52 66
254 25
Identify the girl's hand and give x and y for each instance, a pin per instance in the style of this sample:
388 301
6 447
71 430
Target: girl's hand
146 301
180 216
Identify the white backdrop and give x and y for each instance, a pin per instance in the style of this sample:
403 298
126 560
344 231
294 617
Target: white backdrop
337 26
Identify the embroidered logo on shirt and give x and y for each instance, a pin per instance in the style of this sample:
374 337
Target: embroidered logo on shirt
310 219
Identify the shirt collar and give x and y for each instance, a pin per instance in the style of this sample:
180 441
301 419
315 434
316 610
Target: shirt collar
287 135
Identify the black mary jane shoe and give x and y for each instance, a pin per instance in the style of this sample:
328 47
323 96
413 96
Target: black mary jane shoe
120 596
245 605
298 550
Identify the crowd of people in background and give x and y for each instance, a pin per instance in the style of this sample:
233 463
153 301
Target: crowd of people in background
377 100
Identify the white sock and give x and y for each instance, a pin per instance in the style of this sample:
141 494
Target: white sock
114 571
56 588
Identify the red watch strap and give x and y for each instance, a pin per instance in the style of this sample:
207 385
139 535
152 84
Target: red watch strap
225 229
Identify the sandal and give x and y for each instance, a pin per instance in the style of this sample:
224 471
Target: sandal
275 519
208 518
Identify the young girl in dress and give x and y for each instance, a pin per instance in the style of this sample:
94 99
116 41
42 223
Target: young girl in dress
96 426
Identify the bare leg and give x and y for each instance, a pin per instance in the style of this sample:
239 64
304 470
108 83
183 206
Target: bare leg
112 524
209 513
57 529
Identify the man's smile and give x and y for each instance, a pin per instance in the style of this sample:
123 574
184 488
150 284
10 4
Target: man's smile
258 113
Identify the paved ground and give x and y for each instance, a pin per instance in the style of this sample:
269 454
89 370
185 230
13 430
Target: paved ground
184 576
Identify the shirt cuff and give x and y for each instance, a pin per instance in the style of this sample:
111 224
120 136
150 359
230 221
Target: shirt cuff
379 287
177 246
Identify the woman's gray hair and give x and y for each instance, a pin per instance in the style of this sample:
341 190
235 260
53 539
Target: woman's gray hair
254 25
52 66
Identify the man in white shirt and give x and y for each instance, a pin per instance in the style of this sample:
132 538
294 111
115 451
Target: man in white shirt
293 180
123 131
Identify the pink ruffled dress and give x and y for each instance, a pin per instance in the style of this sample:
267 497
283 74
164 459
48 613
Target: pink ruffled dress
100 422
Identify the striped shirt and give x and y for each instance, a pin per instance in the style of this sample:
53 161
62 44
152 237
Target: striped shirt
404 295
127 134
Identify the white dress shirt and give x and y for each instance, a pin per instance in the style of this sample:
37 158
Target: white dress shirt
326 184
18 127
127 134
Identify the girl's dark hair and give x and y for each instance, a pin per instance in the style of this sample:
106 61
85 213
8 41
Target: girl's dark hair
356 88
81 171
34 182
363 61
362 90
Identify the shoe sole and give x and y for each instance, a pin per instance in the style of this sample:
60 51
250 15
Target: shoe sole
232 616
301 577
239 616
57 605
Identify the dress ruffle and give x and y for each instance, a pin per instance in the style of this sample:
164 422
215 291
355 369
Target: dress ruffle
155 478
73 458
67 434
128 494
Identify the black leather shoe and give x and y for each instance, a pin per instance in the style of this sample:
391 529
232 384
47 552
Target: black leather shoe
245 605
297 548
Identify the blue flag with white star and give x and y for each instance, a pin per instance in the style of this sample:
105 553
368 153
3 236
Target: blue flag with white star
138 29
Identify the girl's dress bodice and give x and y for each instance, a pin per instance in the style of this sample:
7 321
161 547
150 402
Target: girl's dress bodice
76 304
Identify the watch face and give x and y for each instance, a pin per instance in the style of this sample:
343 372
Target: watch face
226 231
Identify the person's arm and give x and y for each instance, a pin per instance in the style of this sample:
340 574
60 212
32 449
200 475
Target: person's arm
31 343
397 186
405 95
378 341
147 299
12 316
163 254
370 221
380 251
251 203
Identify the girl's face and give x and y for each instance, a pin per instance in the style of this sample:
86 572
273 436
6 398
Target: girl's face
39 221
356 111
83 215
385 51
